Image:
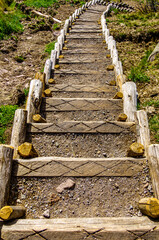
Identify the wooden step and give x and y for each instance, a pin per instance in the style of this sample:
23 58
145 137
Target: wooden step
82 127
79 72
125 228
77 167
82 91
84 36
78 104
83 31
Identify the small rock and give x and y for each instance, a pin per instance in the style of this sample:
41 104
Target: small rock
108 55
57 144
69 183
110 68
46 214
122 117
136 150
104 154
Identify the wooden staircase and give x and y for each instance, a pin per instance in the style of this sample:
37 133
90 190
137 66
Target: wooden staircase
82 139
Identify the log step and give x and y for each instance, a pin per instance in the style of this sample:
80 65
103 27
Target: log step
78 104
82 91
79 72
81 228
82 127
77 167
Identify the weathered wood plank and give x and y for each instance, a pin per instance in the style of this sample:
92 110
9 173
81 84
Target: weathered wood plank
125 228
77 167
82 88
144 132
153 158
6 155
19 129
82 127
79 104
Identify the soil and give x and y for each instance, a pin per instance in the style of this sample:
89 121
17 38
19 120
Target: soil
91 197
31 46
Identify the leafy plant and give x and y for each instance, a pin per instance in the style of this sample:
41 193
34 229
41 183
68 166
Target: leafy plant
6 119
49 47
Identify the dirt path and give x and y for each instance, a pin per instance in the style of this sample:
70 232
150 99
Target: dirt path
90 145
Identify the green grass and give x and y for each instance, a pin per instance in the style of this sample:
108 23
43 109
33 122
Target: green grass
56 26
138 73
6 119
10 23
154 126
151 103
40 3
49 47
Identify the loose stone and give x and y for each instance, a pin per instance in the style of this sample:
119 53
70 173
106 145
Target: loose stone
69 183
136 150
46 214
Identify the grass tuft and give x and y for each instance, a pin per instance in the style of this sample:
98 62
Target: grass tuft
10 23
49 47
6 119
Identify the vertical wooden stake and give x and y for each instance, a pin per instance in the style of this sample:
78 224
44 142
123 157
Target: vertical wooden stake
6 156
19 129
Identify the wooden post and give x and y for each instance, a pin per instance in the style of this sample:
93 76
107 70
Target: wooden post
12 212
130 100
6 156
153 159
53 58
34 99
47 69
144 133
19 129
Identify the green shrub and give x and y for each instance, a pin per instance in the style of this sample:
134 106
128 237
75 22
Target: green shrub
49 47
6 119
10 23
40 3
137 76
